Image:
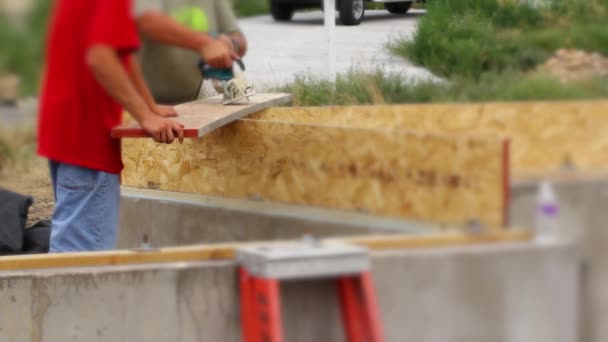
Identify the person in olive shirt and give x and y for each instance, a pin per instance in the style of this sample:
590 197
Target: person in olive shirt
174 32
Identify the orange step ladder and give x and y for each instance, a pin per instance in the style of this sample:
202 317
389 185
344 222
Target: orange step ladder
263 267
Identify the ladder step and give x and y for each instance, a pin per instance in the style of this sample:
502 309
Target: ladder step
303 260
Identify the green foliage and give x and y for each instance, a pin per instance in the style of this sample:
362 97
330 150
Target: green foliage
246 8
23 46
468 38
375 88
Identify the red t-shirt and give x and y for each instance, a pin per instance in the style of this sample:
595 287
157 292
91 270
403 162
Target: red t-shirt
76 113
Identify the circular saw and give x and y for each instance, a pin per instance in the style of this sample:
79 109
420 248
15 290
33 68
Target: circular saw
235 90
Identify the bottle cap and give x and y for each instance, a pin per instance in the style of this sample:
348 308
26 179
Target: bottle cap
546 195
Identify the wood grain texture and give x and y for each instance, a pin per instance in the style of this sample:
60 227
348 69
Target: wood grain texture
204 116
227 251
436 177
545 136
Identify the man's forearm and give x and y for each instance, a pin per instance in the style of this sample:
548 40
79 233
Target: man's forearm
165 30
140 84
110 73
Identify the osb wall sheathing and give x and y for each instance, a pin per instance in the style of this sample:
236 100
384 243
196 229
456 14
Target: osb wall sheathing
545 136
436 177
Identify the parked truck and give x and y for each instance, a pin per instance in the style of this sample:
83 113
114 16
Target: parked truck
351 11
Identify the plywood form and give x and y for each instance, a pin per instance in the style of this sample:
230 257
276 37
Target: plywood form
436 177
545 136
202 117
227 251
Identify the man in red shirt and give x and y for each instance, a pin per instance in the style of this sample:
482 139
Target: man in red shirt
91 75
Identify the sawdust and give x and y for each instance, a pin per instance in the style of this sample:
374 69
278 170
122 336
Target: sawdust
570 65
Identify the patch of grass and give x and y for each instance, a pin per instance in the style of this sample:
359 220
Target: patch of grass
467 38
17 148
6 154
489 49
375 88
247 8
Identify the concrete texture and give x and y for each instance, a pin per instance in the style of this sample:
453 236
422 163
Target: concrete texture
507 293
175 219
583 201
279 51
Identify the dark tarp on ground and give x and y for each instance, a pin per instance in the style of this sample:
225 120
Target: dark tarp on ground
37 238
13 218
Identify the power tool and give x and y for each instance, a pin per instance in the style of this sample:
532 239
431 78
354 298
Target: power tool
235 90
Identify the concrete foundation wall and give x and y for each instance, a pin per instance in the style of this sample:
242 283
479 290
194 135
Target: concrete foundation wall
583 201
505 293
173 219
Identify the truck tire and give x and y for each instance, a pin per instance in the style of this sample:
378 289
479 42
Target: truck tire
280 11
351 11
398 7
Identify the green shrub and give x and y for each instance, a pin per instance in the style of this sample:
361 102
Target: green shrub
468 38
355 88
246 8
23 49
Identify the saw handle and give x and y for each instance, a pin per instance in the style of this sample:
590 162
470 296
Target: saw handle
208 71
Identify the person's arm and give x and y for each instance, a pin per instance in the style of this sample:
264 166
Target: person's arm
236 41
110 73
142 88
164 29
228 24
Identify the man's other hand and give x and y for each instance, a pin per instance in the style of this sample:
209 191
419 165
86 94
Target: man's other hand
217 54
165 111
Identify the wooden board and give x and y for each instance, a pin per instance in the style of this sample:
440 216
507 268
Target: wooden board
201 117
545 136
227 251
433 177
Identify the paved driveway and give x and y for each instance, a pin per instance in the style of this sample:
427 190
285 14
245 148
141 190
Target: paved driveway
278 51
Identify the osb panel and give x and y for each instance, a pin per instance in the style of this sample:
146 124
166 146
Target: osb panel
435 177
545 136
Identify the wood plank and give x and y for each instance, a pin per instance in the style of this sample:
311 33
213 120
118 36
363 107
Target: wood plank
400 242
545 136
227 251
204 116
432 177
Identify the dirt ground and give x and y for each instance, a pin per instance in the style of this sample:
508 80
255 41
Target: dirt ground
569 65
32 181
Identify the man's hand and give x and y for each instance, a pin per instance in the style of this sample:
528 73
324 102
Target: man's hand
163 130
165 111
224 38
217 54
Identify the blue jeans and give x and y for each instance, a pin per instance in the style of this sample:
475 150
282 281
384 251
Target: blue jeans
86 209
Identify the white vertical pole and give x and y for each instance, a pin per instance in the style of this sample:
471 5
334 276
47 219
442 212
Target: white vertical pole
330 30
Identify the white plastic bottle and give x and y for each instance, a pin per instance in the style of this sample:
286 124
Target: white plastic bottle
547 214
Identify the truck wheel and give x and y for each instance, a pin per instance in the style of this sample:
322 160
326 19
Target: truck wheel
398 7
351 11
280 11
